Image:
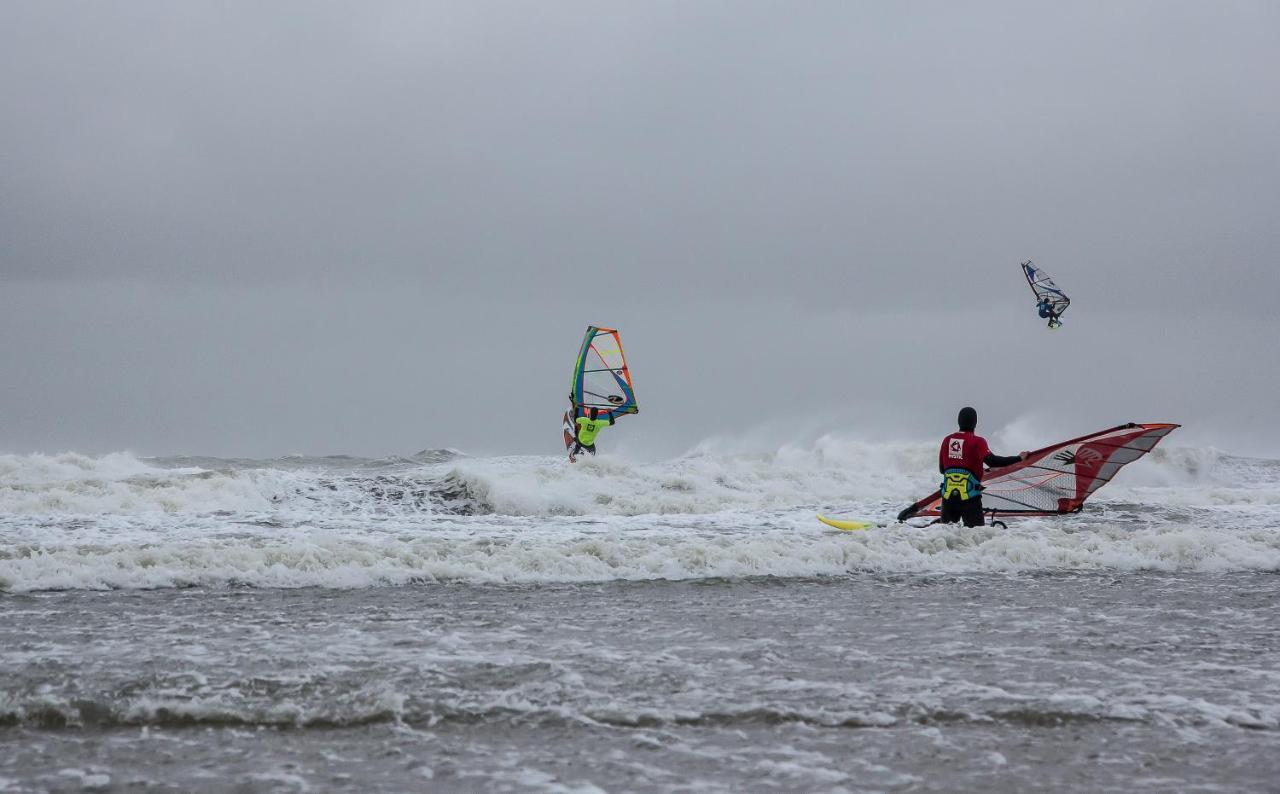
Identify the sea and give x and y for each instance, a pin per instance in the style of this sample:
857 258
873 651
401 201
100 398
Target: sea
455 623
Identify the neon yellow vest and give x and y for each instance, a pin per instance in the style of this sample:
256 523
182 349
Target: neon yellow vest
588 429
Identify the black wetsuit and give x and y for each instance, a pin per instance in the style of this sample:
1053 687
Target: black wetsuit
954 508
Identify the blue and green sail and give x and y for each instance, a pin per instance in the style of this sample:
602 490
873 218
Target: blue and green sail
601 379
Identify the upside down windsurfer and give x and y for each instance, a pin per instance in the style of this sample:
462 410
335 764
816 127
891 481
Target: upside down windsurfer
960 461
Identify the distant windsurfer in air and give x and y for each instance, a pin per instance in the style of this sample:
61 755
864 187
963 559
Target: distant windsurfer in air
588 428
1051 301
961 460
1047 313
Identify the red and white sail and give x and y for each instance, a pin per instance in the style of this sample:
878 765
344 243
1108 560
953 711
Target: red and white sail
1059 478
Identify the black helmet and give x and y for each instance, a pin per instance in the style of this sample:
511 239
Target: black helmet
968 419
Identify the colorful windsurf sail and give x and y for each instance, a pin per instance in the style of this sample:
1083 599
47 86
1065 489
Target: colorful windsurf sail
1050 300
601 379
1059 478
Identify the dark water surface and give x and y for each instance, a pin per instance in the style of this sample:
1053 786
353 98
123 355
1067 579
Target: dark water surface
1101 682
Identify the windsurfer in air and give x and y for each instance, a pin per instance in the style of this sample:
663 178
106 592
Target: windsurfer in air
1051 301
961 460
589 427
1046 312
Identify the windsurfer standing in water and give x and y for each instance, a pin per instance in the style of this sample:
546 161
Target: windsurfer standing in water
961 460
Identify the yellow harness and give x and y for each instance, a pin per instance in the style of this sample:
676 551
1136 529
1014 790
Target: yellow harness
960 482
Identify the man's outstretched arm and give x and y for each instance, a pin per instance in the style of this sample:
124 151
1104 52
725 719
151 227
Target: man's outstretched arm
995 461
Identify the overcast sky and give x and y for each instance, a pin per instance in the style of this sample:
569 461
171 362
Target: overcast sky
300 227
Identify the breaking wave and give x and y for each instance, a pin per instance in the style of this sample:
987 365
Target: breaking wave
76 522
443 482
187 704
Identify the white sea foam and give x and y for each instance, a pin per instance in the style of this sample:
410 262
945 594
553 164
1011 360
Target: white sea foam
307 557
73 522
74 484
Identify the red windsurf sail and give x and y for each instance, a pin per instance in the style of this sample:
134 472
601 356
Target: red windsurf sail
1059 478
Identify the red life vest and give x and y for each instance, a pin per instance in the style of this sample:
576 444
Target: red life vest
963 450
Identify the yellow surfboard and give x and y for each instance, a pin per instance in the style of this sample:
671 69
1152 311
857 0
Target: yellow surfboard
847 525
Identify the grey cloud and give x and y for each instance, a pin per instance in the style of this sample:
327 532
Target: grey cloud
304 226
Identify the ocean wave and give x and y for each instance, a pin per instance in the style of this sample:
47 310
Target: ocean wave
50 711
117 521
123 485
832 470
311 558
